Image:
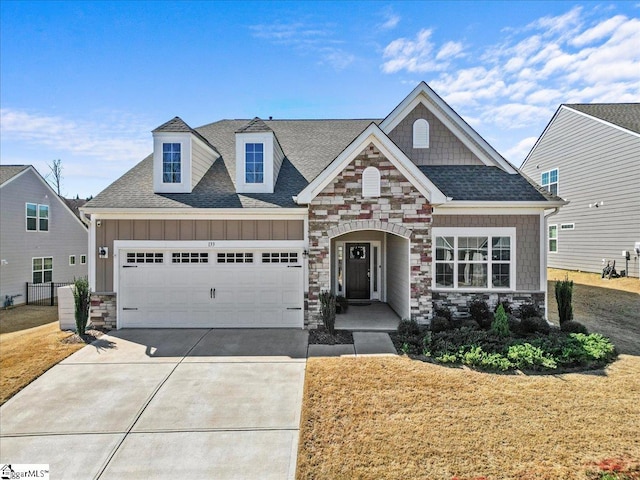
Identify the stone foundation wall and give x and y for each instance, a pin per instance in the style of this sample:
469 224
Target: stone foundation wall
400 209
103 312
458 302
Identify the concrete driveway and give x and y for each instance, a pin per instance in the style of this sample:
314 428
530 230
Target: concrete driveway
165 403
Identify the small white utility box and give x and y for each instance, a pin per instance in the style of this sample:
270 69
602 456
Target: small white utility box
66 308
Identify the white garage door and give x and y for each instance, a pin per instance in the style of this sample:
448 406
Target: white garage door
207 288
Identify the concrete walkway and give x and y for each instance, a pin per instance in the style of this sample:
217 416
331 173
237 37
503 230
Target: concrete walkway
364 344
164 403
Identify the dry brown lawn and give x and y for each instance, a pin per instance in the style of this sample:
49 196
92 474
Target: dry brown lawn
27 353
394 418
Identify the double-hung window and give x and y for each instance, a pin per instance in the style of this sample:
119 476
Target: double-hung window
475 258
42 269
171 163
553 238
549 181
254 162
37 217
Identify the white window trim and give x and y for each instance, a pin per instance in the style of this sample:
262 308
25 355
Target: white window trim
181 162
557 182
476 232
83 259
549 238
37 217
267 141
184 139
417 141
373 294
43 269
72 261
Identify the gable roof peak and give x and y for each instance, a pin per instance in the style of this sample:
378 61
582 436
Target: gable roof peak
176 124
255 125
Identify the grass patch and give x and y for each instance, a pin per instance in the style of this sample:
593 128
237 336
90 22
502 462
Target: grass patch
27 354
26 316
370 418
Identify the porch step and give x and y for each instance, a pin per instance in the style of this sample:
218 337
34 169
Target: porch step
373 343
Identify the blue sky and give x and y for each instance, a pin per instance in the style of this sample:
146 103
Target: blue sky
86 82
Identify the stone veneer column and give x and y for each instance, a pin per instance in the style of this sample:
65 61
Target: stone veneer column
401 209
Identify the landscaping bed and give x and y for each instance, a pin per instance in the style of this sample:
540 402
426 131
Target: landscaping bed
321 336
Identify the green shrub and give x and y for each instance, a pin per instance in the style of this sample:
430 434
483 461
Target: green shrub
480 312
500 324
440 324
514 323
534 325
408 328
573 327
526 356
82 301
564 292
469 323
443 312
528 310
328 310
506 305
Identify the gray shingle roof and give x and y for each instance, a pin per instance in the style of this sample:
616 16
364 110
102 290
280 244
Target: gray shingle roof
176 124
482 183
7 172
625 115
309 147
255 125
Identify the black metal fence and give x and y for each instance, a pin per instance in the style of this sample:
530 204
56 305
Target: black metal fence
44 293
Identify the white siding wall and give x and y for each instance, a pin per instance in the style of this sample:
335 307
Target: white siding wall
597 163
66 236
398 275
202 158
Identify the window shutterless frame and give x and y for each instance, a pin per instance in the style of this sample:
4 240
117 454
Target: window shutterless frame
36 217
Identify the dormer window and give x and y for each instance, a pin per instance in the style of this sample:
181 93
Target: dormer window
421 133
254 162
171 163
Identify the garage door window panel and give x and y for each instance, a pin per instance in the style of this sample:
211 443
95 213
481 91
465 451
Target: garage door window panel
280 257
189 257
235 257
145 257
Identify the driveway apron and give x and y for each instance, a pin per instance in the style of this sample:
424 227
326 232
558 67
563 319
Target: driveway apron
221 403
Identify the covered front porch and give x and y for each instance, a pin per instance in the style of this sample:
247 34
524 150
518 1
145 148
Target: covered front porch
371 316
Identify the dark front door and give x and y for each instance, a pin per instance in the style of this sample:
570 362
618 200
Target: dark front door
358 270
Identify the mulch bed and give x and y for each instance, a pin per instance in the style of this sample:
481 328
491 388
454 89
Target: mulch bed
90 335
320 336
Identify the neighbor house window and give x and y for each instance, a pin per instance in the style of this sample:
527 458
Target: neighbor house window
550 181
478 261
254 163
171 163
37 217
553 238
83 259
568 226
72 260
421 133
42 269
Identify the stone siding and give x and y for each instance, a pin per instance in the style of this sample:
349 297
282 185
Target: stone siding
458 302
444 147
103 312
401 210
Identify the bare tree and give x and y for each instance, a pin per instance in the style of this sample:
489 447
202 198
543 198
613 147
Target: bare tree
54 177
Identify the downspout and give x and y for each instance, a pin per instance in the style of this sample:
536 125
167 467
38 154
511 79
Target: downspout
544 250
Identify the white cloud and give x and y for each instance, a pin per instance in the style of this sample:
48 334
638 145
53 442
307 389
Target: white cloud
520 150
121 140
598 32
450 50
410 55
337 58
391 21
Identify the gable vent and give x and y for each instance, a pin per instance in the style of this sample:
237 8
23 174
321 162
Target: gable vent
421 133
371 182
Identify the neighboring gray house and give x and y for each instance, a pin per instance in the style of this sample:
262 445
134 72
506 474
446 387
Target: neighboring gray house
41 239
243 223
589 154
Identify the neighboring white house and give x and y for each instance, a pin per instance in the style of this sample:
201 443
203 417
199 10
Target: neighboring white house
589 154
41 239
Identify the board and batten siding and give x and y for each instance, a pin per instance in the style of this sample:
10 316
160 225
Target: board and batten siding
527 241
444 147
398 275
66 236
111 230
596 163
